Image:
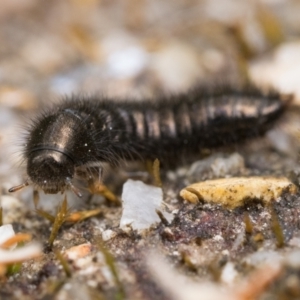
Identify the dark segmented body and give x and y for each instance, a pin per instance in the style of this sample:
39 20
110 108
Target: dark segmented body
80 132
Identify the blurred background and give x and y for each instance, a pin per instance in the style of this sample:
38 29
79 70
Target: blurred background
136 49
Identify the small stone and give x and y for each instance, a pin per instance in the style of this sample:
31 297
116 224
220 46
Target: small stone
293 259
140 203
6 232
262 257
229 273
281 71
177 76
26 252
79 251
235 191
216 166
17 98
168 234
108 235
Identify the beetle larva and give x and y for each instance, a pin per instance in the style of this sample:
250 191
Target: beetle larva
80 133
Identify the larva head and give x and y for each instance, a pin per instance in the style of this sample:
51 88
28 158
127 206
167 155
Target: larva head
50 170
52 147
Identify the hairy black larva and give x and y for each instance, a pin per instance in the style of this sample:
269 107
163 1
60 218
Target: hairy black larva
76 136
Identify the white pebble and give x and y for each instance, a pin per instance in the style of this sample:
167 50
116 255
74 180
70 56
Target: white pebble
140 202
229 273
6 232
108 234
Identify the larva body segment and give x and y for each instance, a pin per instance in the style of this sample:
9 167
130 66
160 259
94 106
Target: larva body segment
83 132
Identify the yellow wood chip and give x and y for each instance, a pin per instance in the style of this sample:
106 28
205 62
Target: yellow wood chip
233 192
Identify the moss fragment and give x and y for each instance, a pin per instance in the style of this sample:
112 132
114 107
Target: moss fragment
63 262
60 218
276 228
110 261
156 173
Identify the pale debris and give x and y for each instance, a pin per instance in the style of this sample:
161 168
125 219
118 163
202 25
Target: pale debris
219 165
140 205
179 76
108 235
293 259
16 98
179 287
11 256
229 273
6 232
257 282
282 71
270 257
295 241
124 56
233 192
20 254
78 251
13 209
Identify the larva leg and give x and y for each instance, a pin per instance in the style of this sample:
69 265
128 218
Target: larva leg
95 185
99 188
36 198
